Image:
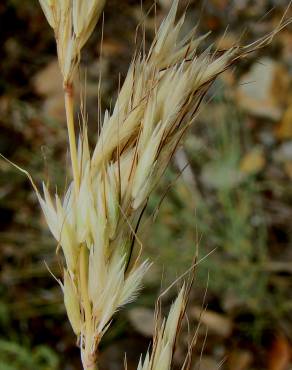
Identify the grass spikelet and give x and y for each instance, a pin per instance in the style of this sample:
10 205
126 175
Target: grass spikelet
73 22
71 302
164 337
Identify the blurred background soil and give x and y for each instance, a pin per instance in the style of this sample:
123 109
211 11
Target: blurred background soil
226 194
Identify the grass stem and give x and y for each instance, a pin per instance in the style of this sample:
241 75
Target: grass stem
69 105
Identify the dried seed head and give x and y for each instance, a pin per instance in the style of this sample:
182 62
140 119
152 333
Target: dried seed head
96 225
59 220
164 338
73 22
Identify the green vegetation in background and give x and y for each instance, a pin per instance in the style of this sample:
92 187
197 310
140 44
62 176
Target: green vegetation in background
224 215
14 356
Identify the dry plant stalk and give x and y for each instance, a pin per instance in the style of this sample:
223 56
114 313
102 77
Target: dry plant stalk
96 222
73 22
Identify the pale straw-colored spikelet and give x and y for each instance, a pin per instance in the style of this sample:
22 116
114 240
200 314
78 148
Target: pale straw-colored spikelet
165 337
96 223
73 22
154 108
72 304
95 239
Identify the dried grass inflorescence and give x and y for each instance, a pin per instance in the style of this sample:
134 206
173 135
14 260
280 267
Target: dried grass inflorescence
97 221
73 22
165 337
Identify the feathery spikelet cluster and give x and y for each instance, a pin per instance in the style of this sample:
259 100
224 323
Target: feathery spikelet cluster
164 338
96 223
95 238
73 22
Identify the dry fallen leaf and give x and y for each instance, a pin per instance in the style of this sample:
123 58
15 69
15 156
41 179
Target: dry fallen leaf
279 354
48 83
48 80
53 107
217 323
112 48
263 89
253 162
284 129
239 360
142 320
